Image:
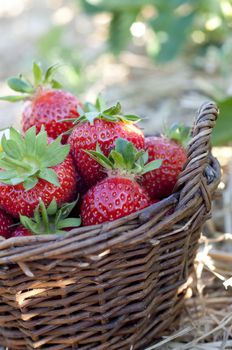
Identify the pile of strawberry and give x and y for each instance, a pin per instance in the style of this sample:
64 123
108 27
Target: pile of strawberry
79 163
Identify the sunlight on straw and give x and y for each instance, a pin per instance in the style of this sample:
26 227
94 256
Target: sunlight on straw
174 336
106 252
20 298
228 283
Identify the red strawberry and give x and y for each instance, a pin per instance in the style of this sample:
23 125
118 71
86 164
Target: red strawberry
21 231
32 170
103 127
111 199
119 194
5 224
50 220
45 105
160 183
47 108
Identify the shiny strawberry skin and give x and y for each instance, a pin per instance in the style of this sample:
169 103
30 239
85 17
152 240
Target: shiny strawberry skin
86 136
111 199
160 183
48 108
16 200
21 231
5 222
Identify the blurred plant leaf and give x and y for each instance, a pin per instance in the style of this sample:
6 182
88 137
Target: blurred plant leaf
222 133
113 5
176 29
52 47
119 32
173 25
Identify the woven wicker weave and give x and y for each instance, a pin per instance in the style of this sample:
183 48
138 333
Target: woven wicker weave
113 286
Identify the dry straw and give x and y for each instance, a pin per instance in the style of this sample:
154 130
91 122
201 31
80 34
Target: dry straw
119 285
206 320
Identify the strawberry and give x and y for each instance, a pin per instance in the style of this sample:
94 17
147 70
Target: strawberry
5 224
119 194
21 231
103 126
44 104
33 169
50 220
160 183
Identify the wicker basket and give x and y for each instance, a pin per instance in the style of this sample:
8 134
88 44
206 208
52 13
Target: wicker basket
113 286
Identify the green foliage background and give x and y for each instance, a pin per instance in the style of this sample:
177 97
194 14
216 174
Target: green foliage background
176 28
173 22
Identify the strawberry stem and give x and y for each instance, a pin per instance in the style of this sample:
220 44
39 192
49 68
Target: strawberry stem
126 158
27 88
44 216
25 159
51 220
99 110
179 133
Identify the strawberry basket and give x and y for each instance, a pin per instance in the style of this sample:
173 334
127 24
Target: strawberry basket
117 285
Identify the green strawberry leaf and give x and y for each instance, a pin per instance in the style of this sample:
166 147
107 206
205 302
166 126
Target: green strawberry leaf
18 138
179 133
70 222
131 118
27 88
145 157
40 143
125 157
129 155
91 116
14 98
10 148
55 84
51 71
114 110
100 158
90 112
19 85
66 209
49 175
117 159
100 103
30 139
52 208
29 183
44 214
55 153
8 174
51 220
27 222
37 217
38 73
155 164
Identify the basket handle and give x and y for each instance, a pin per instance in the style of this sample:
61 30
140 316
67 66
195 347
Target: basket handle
197 173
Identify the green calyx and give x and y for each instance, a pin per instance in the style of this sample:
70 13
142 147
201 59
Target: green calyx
28 88
26 159
51 220
125 159
99 110
179 133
